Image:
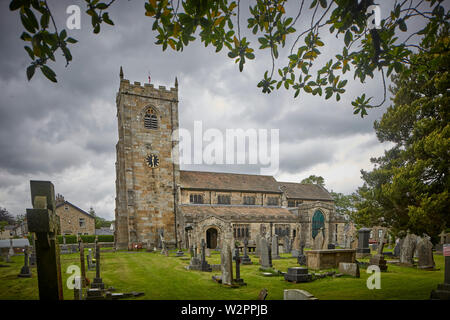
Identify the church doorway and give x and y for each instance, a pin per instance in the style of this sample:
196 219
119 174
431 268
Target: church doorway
211 238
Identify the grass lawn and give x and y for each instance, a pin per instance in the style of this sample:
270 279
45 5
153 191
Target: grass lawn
162 277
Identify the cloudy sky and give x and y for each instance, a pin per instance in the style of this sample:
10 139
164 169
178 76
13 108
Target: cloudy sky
67 132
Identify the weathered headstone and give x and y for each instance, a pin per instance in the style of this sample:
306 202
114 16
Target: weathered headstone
43 221
297 294
258 245
11 248
363 249
25 271
297 274
180 252
263 294
425 253
226 265
287 244
351 269
275 249
407 250
98 282
397 248
164 249
319 240
246 259
195 263
63 247
266 255
443 290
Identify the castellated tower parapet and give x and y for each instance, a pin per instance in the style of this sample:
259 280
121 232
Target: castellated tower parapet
147 166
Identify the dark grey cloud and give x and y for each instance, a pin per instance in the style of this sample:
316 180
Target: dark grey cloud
66 132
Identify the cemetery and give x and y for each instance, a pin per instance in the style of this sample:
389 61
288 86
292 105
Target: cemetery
156 276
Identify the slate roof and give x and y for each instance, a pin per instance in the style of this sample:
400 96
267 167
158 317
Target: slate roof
81 210
305 191
220 181
240 212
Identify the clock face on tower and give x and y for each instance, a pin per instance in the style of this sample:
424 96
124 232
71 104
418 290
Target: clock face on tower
152 161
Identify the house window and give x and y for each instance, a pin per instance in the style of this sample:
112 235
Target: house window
150 119
196 198
249 200
82 222
298 202
66 207
224 199
272 201
291 203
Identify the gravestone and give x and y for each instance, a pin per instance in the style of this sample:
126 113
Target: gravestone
164 249
443 289
351 269
207 252
237 260
263 294
378 259
297 294
258 245
425 253
301 259
63 247
363 249
226 265
297 275
319 240
407 250
287 247
246 259
149 247
180 252
25 271
397 248
43 221
204 264
275 252
266 254
97 283
196 263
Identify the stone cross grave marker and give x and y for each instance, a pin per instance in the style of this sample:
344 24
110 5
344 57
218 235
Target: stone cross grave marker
97 283
25 271
378 259
43 221
301 259
319 240
204 263
246 259
237 260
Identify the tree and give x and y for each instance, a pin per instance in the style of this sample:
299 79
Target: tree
6 216
218 23
99 221
409 187
343 203
313 179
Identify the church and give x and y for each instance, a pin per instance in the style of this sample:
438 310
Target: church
155 198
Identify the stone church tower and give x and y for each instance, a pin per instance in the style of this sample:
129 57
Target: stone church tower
147 167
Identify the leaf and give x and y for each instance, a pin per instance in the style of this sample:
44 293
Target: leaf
49 73
323 3
30 71
348 37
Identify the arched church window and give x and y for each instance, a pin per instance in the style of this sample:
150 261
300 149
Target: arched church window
150 119
318 221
